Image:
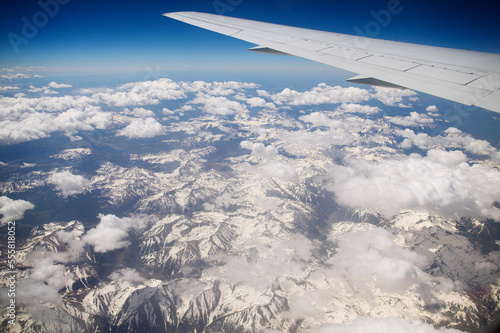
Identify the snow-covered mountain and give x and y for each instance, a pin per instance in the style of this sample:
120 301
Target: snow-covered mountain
240 210
227 270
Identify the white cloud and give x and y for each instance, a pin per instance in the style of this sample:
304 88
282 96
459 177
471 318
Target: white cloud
13 108
111 233
325 119
322 94
257 101
15 76
142 93
143 128
59 85
259 149
28 165
271 167
8 89
358 108
29 129
371 256
73 120
432 110
265 264
224 200
454 139
44 282
280 170
13 210
414 119
448 158
140 112
481 147
412 182
217 88
393 97
89 91
44 90
74 247
219 105
126 274
26 119
340 124
67 183
382 325
453 130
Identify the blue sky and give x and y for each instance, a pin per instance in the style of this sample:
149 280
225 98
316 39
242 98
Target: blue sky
120 36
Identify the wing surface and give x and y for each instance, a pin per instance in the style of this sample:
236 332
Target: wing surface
467 77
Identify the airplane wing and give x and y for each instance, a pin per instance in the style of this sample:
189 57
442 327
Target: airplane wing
467 77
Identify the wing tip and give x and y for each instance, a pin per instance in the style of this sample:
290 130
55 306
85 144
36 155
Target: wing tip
174 14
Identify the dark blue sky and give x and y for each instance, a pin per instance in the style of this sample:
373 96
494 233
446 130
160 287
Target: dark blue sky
111 36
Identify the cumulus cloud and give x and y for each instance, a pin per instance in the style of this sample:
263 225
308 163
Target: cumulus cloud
44 282
219 105
8 89
257 101
432 111
271 167
47 278
358 108
386 325
259 149
448 158
393 97
454 138
140 112
25 121
431 108
322 94
324 119
440 182
15 76
217 88
280 170
67 183
222 201
372 254
414 119
126 274
111 232
13 210
143 128
352 124
265 264
59 85
74 247
13 108
43 90
142 93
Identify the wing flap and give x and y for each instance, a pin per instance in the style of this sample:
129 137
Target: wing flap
346 53
452 76
387 62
